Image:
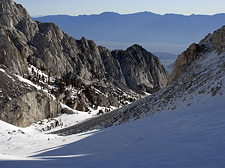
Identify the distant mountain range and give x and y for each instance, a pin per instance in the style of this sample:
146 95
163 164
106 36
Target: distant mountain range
158 33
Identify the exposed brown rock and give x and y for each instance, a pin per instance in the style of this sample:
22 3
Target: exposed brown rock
184 60
215 41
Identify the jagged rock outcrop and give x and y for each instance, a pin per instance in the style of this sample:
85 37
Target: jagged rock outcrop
141 69
17 28
215 41
184 60
22 104
12 13
44 45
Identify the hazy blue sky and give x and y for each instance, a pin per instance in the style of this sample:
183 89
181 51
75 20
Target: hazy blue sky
79 7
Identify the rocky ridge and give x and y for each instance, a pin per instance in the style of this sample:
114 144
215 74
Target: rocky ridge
212 42
44 45
85 75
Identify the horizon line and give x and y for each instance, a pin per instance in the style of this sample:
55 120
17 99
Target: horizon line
97 14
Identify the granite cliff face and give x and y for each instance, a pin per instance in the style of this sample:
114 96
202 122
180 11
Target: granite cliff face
46 47
22 104
103 77
141 69
211 42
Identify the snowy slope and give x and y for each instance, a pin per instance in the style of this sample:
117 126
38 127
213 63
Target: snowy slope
204 81
66 120
185 128
191 137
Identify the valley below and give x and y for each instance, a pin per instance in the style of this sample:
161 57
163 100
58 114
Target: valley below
68 103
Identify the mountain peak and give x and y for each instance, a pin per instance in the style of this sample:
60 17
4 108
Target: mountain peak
135 46
11 13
